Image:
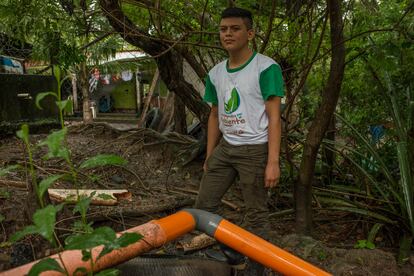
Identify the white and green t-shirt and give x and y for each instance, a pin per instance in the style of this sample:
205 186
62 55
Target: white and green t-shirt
240 95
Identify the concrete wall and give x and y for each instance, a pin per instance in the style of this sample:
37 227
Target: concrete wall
14 108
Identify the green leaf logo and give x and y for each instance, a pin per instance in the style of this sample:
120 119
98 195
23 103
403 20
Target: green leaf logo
233 103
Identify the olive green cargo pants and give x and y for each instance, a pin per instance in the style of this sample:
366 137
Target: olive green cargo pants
223 166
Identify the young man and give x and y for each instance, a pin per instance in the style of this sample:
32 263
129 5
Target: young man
245 93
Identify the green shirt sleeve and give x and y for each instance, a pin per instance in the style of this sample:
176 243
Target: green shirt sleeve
271 82
210 94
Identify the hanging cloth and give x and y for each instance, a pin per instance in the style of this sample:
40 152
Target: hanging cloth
126 75
106 79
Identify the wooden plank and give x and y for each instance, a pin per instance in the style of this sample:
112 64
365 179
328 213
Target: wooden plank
149 96
101 197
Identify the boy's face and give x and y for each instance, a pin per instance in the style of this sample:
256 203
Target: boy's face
234 34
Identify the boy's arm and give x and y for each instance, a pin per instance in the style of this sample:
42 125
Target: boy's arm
272 171
213 133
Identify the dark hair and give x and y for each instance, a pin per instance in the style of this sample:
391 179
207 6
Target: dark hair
241 13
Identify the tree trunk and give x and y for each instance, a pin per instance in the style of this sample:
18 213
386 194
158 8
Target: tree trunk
411 138
180 122
84 86
330 95
328 155
293 7
169 60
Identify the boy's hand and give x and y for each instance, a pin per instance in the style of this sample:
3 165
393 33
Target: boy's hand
272 175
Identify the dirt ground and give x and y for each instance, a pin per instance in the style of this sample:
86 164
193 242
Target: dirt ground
162 175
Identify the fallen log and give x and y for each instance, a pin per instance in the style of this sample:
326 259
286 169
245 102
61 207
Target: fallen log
13 183
101 213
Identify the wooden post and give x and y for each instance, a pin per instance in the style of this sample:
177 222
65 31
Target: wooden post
138 90
149 96
75 92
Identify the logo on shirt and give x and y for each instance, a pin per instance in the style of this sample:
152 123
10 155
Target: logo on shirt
233 103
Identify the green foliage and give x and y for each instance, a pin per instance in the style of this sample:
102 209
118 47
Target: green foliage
44 224
362 244
4 194
23 133
41 96
82 204
44 219
56 30
55 144
373 232
45 265
369 243
103 160
46 183
65 105
101 236
81 207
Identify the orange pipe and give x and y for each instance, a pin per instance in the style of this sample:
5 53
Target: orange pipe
155 235
176 225
263 252
158 232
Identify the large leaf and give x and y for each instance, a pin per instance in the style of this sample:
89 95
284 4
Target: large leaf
330 201
373 232
45 265
44 224
31 229
54 142
364 212
41 96
23 133
406 181
371 150
377 184
57 73
81 271
100 236
46 183
396 109
128 238
65 105
123 241
103 160
45 219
